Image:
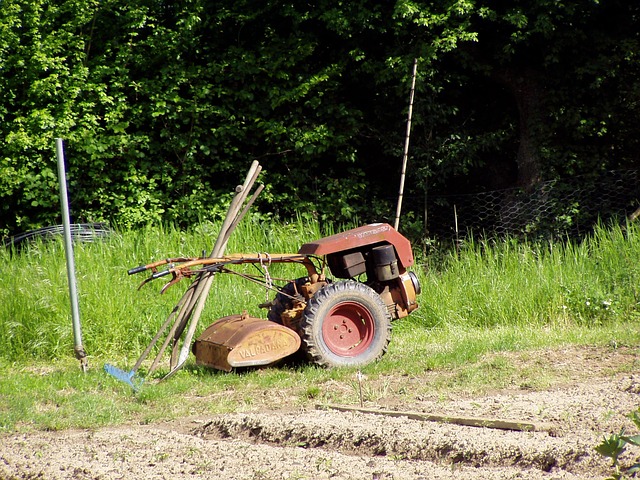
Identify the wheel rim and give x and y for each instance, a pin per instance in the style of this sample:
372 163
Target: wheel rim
348 329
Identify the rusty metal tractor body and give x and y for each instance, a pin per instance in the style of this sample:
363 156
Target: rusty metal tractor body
340 319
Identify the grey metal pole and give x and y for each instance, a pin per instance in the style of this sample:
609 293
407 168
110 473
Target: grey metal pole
71 269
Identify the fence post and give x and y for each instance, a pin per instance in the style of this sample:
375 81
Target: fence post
71 269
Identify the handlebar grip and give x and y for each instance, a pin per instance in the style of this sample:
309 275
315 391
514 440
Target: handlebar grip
139 269
161 273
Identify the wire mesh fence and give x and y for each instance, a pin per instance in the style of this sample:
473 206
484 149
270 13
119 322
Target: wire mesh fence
84 232
556 208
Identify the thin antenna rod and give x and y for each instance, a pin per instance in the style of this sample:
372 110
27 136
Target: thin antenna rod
406 144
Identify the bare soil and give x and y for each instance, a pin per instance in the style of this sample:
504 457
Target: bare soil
310 443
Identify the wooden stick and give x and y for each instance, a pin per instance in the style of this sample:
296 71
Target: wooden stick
502 424
204 280
182 304
634 216
196 294
242 214
232 218
159 334
406 145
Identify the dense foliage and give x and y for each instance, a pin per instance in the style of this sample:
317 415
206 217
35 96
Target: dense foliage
163 105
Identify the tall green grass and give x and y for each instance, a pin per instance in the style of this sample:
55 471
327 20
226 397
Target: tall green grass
487 284
508 286
486 298
117 319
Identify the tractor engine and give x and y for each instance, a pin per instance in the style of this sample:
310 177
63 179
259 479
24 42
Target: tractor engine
381 255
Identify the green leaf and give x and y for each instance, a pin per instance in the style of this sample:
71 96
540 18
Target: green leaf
612 447
635 417
633 440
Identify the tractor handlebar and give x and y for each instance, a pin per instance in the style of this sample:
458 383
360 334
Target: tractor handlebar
135 270
186 266
159 274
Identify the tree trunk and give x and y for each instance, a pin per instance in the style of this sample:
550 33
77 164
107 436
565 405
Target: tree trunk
527 92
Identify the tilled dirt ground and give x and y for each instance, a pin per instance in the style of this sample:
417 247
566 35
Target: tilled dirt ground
312 443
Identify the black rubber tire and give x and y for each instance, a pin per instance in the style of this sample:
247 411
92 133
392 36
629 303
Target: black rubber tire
350 308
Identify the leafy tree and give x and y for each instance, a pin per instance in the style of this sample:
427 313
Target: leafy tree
163 105
547 89
43 67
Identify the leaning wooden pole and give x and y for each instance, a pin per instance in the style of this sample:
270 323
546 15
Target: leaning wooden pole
196 303
406 145
190 306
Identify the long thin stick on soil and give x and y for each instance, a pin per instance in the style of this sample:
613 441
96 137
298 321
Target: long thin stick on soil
522 425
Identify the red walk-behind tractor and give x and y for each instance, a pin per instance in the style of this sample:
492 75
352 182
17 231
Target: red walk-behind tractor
344 322
338 314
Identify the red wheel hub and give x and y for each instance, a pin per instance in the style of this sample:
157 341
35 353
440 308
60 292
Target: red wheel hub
348 329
